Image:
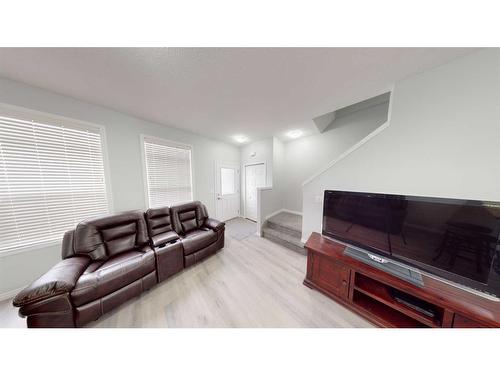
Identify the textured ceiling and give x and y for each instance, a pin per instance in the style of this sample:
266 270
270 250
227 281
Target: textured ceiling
221 92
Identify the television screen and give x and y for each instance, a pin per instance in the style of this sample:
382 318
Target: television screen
452 238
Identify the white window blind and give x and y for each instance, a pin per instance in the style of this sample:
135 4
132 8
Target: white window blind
168 169
51 178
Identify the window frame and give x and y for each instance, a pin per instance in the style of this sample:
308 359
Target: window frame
29 114
166 142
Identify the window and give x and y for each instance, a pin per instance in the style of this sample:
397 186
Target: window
168 172
227 181
51 177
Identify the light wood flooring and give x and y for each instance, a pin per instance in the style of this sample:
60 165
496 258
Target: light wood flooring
250 283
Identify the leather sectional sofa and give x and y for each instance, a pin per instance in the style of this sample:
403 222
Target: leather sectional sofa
109 260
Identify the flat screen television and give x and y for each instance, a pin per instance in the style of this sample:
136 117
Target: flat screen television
454 239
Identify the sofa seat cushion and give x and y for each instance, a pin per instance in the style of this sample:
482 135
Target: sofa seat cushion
103 277
198 239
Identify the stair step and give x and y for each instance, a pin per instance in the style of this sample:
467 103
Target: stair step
284 239
286 222
279 228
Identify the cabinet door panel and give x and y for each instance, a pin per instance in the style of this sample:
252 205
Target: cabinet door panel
461 321
331 276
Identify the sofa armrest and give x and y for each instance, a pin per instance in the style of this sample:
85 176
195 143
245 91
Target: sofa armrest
213 224
164 238
58 280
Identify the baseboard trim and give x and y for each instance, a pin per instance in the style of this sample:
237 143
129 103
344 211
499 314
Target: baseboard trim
291 211
282 210
272 214
10 294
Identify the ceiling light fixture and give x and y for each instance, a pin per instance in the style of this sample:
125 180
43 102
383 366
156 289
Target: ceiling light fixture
240 138
294 134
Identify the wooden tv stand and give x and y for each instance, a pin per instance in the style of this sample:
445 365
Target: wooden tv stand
367 291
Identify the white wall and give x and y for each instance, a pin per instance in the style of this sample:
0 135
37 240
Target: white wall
280 169
268 203
263 150
306 156
290 164
270 198
126 170
443 140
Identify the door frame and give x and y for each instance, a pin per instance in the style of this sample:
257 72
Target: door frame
229 164
244 182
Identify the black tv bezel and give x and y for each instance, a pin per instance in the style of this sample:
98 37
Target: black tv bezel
424 267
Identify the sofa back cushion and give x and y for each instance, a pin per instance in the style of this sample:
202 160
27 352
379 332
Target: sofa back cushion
158 221
104 237
188 216
67 247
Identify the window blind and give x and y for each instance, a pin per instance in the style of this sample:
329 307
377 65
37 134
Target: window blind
51 177
168 169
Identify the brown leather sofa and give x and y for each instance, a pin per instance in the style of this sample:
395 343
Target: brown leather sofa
109 260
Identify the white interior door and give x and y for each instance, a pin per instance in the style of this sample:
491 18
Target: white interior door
227 195
255 176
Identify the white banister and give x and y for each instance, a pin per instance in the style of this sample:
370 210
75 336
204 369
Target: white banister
347 152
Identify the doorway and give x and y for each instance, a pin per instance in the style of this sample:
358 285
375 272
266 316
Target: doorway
255 177
227 191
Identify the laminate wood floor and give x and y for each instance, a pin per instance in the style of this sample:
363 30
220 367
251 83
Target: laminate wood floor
250 283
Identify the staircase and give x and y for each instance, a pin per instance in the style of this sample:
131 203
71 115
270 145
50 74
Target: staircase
285 229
